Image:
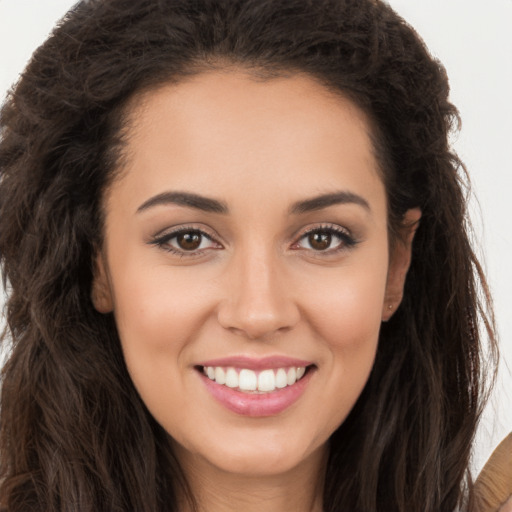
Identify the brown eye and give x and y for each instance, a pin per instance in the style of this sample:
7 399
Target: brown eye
186 242
189 241
326 240
320 240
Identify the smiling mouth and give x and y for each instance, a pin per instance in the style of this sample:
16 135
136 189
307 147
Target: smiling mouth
255 382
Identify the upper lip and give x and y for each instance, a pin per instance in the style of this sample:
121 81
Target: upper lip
252 363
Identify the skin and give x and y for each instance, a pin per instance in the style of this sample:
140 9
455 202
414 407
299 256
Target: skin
494 484
258 287
507 507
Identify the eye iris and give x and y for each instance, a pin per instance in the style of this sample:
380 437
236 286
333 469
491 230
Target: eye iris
189 241
320 240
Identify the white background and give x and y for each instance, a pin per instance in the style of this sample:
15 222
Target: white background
473 39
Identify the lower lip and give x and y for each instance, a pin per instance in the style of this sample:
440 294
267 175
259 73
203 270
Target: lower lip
257 404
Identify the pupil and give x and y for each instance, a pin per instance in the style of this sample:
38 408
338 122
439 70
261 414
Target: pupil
189 241
320 241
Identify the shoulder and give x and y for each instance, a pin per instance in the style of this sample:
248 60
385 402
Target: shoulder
494 485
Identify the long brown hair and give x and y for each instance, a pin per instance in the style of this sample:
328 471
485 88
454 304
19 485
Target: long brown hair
74 434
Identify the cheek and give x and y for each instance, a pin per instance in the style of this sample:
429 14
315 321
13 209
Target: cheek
345 313
345 307
158 320
159 306
159 314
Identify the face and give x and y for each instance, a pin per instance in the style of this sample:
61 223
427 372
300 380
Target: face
246 261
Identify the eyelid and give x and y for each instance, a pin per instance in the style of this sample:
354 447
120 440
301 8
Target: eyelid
163 237
341 232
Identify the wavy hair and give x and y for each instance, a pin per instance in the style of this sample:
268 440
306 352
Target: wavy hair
74 434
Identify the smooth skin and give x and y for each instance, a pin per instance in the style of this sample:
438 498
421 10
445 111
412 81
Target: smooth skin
265 277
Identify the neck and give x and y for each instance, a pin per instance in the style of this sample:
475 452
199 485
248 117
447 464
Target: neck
300 489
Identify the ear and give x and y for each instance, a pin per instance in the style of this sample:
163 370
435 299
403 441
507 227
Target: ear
399 261
101 292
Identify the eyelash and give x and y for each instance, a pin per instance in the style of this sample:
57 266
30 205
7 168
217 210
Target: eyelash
347 241
163 241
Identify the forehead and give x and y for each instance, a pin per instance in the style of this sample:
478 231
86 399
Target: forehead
226 133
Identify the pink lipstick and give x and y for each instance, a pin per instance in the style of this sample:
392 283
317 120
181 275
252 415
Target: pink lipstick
256 387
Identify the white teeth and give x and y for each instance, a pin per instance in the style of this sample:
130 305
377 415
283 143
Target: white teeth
231 378
266 380
281 378
220 375
292 376
247 380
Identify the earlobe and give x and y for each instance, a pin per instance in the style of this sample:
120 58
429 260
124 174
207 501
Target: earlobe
400 260
101 294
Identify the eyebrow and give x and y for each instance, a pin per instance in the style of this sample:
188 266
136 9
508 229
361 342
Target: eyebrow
208 204
326 200
187 199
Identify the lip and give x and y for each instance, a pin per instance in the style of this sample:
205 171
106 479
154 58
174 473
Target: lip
252 363
257 405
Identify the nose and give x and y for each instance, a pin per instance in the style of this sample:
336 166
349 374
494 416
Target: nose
258 300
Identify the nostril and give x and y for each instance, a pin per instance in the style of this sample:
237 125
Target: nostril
260 314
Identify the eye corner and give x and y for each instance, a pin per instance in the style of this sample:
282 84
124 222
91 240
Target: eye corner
328 232
200 241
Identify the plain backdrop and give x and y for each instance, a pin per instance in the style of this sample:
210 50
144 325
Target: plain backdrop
473 40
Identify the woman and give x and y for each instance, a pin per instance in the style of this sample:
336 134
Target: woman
240 278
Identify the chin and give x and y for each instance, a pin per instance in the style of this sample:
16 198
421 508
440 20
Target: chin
263 456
